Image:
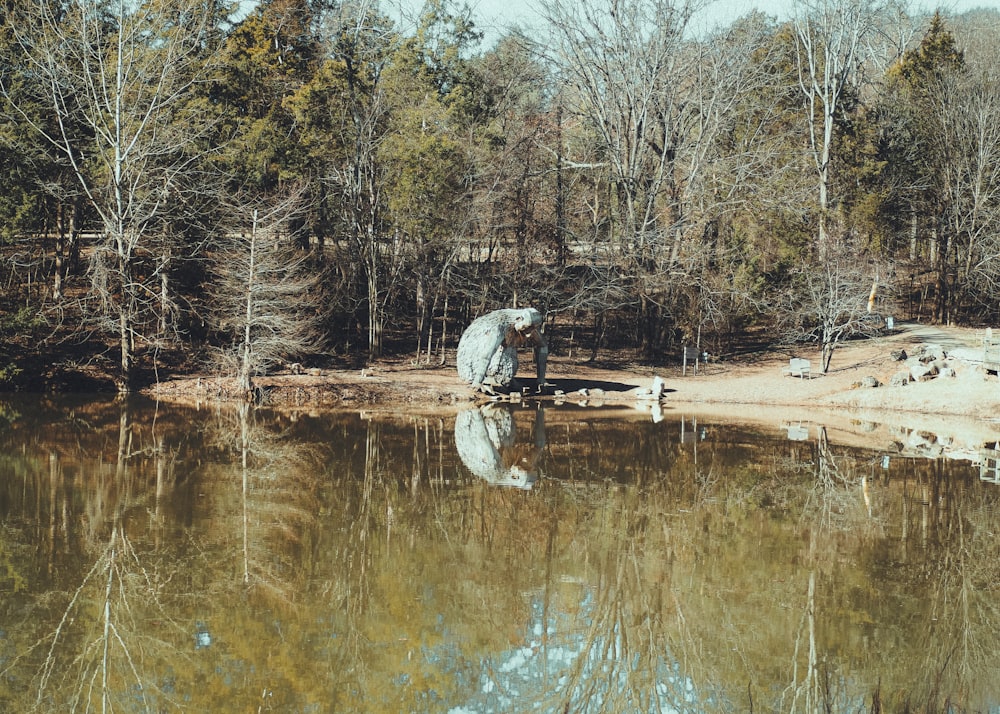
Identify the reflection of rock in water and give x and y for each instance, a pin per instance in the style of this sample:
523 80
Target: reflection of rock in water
485 440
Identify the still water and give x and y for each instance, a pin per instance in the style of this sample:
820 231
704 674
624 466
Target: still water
504 560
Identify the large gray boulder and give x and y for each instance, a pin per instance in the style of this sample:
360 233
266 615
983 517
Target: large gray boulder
487 352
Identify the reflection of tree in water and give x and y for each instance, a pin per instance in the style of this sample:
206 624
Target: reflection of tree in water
485 439
608 627
258 550
423 565
629 657
674 611
916 519
697 581
113 641
944 525
835 505
112 663
277 482
140 604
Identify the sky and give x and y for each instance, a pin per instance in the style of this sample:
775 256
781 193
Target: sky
492 16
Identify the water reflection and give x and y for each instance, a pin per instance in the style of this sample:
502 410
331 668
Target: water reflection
485 439
159 559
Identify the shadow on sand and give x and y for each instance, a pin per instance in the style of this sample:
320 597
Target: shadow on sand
574 385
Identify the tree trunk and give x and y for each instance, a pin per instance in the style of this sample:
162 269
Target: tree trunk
826 355
126 303
164 294
942 295
562 255
245 378
67 248
598 338
374 316
444 330
125 381
64 240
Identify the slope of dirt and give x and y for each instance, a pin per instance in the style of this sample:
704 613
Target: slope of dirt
751 388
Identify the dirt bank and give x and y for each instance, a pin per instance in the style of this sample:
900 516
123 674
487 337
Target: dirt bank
751 388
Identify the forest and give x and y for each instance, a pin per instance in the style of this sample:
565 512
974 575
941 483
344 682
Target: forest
201 184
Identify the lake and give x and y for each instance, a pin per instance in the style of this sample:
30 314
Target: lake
506 559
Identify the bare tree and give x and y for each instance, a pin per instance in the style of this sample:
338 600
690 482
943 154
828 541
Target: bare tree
829 302
673 135
970 119
120 69
628 77
360 48
946 141
624 66
832 39
265 298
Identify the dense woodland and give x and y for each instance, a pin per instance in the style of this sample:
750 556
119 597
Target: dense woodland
325 182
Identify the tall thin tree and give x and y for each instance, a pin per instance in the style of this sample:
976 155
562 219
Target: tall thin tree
265 293
832 38
121 69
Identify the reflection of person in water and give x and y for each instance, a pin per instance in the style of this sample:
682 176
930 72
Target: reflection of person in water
485 439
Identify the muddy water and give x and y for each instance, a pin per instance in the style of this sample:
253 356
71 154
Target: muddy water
565 559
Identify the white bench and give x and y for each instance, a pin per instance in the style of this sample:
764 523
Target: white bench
797 432
798 367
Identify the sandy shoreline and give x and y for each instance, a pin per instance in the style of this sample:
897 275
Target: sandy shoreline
961 410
